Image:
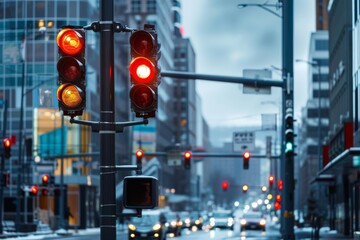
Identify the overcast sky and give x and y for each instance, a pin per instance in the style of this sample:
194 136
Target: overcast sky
227 39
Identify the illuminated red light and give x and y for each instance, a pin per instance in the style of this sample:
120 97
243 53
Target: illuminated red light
142 70
246 155
187 155
225 185
139 153
7 142
70 41
45 178
34 190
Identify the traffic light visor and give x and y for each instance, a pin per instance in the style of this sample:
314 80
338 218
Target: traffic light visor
142 43
142 70
142 96
70 68
70 41
70 95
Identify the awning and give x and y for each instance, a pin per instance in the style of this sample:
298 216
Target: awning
345 162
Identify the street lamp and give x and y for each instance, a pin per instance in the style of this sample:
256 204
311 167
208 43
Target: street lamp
318 66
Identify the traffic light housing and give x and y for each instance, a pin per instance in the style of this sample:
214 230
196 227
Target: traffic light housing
144 71
45 179
245 188
7 148
289 134
246 158
225 185
71 92
271 179
187 159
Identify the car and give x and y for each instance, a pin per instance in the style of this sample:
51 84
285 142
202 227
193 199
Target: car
173 223
196 221
221 219
151 225
185 217
252 220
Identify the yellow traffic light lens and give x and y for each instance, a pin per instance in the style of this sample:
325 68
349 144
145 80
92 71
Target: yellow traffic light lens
142 70
70 41
70 95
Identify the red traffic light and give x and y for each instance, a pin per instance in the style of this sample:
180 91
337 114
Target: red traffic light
187 155
277 205
34 190
246 155
7 142
45 179
70 41
278 198
271 180
187 159
139 154
225 185
280 185
142 70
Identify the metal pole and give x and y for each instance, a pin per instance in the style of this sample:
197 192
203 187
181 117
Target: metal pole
287 212
107 134
2 167
319 117
62 186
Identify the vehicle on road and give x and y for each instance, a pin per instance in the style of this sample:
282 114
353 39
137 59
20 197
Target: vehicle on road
253 221
173 223
221 219
151 225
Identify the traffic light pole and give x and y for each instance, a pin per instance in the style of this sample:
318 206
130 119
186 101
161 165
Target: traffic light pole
2 166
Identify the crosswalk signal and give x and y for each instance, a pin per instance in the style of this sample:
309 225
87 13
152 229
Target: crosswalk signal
71 69
187 160
7 147
246 158
144 71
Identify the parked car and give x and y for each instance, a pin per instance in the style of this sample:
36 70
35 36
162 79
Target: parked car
173 223
151 225
221 219
252 220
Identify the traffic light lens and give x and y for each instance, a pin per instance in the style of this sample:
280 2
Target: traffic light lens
139 153
142 70
142 43
187 155
70 95
70 68
34 190
7 143
246 155
45 178
70 41
142 96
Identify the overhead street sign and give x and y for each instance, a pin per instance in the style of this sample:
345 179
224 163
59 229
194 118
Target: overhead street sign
243 141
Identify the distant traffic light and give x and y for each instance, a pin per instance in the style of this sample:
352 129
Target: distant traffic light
144 71
289 134
246 158
280 185
139 155
245 188
44 191
34 190
271 179
45 179
187 160
225 185
277 205
278 198
263 188
71 93
7 147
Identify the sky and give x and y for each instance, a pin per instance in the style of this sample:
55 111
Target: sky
228 39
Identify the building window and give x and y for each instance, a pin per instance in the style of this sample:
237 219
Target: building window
136 6
321 45
151 6
322 61
322 78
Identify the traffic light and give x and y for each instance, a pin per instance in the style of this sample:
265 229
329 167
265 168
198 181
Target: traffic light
225 185
45 180
246 158
187 160
33 190
71 93
277 205
7 147
280 185
263 188
144 71
278 198
289 134
271 179
245 188
44 191
139 155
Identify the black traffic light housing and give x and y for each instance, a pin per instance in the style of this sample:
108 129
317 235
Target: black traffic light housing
140 192
246 158
187 160
7 148
144 71
71 93
289 133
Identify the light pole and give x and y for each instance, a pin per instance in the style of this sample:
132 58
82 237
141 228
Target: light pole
318 66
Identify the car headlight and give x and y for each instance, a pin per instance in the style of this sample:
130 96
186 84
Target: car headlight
173 223
180 223
262 222
156 227
197 221
132 227
242 221
187 221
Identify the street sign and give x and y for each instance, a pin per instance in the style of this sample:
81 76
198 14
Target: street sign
243 141
254 88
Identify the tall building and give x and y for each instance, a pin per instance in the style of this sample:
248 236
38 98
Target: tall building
321 15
